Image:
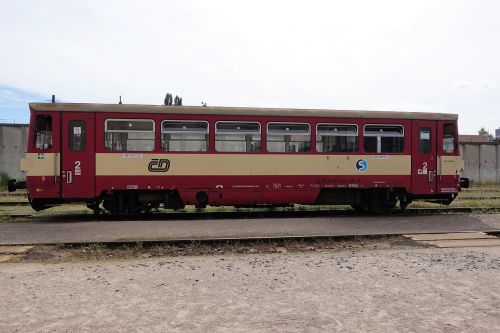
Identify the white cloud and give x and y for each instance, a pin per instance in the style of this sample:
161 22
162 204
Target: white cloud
480 83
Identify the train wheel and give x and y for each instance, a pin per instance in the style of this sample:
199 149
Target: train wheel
122 203
404 201
382 202
95 208
37 204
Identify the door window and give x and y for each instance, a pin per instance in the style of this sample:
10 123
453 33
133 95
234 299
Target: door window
424 140
77 135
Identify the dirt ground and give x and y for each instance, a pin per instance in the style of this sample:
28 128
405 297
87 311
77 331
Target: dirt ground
396 289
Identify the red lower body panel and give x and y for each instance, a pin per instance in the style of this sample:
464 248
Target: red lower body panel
448 184
43 186
249 190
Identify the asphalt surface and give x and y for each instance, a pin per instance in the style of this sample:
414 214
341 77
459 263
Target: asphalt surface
60 231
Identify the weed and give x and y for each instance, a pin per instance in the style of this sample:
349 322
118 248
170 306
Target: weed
4 180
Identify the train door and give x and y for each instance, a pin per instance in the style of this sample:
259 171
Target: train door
424 162
78 155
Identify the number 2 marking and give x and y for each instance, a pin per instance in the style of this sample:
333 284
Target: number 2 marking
78 169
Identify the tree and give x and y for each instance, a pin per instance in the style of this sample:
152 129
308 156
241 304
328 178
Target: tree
484 132
168 99
177 100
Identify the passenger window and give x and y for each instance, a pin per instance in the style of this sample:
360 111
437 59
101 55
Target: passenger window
232 136
43 132
181 135
77 135
449 138
336 138
383 138
424 140
129 135
288 137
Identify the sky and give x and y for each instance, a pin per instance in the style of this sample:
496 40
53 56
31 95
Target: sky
422 55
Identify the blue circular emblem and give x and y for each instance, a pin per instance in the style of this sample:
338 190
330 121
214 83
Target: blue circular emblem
361 165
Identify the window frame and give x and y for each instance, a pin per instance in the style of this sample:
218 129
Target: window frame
385 125
127 131
185 121
316 134
236 133
379 138
339 124
290 122
128 119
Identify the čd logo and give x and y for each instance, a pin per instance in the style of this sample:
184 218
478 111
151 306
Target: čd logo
159 165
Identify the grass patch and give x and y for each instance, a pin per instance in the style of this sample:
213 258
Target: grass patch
68 209
4 180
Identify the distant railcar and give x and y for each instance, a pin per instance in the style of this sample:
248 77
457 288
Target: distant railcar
133 158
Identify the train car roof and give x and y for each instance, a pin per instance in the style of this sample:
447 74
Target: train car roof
239 111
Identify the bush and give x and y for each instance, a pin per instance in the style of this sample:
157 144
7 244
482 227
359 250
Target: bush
4 180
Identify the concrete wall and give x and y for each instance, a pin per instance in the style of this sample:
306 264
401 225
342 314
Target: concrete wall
482 161
13 142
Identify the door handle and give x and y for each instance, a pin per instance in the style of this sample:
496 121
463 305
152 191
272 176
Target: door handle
56 160
69 177
431 176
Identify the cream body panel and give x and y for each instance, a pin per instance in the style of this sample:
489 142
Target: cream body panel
127 164
450 165
41 164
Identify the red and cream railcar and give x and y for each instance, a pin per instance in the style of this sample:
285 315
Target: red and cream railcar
132 158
